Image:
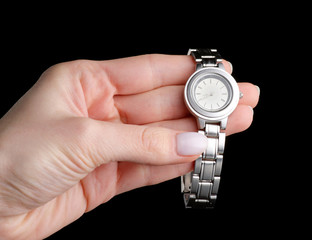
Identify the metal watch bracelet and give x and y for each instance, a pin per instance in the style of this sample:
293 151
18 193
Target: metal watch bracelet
200 187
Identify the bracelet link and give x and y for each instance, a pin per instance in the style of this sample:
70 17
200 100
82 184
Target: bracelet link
204 181
205 57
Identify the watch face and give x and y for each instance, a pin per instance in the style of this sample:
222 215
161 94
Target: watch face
211 93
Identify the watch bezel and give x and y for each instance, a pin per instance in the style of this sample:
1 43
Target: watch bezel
195 109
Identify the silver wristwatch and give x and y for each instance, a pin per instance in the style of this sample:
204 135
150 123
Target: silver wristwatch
211 95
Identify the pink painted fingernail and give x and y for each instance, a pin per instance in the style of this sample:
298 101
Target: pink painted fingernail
191 143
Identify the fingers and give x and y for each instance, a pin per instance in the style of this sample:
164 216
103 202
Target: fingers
97 142
167 103
133 175
161 104
251 94
238 121
228 66
146 72
100 81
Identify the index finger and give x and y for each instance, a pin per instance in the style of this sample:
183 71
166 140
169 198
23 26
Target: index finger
146 72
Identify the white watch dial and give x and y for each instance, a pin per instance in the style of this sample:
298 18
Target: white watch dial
211 94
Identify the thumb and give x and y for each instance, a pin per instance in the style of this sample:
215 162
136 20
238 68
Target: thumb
141 144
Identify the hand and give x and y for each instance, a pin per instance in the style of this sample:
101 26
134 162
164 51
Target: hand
88 130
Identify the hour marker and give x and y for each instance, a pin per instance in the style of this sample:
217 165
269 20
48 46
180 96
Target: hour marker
204 82
200 87
198 93
222 87
222 100
224 93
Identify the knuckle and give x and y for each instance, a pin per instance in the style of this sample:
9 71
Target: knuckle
78 149
81 127
154 74
55 72
154 140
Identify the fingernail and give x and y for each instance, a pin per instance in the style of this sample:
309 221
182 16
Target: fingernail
258 89
231 66
251 109
191 143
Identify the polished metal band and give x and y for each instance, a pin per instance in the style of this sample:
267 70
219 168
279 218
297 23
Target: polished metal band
205 57
200 187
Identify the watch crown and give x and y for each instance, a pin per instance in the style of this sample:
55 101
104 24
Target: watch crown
241 95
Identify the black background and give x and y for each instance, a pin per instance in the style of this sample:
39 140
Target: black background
253 198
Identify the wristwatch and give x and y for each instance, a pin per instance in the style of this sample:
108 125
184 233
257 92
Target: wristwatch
211 95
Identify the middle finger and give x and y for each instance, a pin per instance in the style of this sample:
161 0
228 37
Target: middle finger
161 104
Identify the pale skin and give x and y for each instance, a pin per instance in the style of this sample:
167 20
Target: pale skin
89 130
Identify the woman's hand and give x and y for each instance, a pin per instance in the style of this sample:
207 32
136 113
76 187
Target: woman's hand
88 130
